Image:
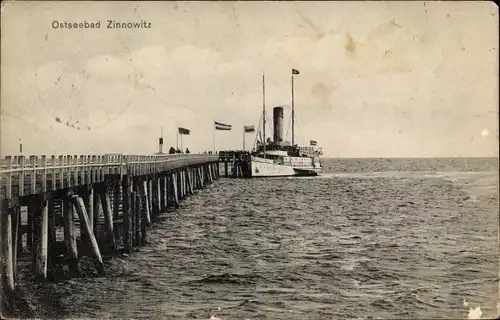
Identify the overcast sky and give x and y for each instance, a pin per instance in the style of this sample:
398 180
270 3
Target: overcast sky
394 79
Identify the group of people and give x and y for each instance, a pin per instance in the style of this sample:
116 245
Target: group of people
172 150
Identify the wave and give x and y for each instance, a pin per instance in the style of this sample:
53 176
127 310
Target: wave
230 278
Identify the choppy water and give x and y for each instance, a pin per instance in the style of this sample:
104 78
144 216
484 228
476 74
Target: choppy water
369 238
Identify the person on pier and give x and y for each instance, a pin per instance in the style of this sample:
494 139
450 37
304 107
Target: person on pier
171 150
187 150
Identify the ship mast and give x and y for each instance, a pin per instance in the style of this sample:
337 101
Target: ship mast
264 112
293 112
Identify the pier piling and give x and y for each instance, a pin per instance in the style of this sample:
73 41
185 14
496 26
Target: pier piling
79 205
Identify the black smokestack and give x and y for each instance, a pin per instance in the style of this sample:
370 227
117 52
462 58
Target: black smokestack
278 125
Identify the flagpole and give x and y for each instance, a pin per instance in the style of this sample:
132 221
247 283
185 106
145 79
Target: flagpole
243 138
264 112
177 143
293 115
181 144
160 142
214 139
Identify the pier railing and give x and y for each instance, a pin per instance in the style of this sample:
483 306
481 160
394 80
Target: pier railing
22 176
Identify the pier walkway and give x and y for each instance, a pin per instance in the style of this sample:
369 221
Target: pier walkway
58 209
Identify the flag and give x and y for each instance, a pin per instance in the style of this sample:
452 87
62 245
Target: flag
222 126
313 143
295 71
249 128
184 131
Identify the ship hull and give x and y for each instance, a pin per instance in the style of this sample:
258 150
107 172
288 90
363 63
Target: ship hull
265 168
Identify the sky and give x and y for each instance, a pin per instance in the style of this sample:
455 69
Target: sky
377 79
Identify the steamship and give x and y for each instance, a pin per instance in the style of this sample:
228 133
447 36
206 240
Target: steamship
278 158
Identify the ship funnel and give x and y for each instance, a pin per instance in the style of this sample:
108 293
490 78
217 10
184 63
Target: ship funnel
160 142
278 125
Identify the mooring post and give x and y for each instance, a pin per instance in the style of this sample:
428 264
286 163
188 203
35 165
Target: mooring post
96 203
15 221
161 193
29 228
154 198
89 205
7 276
159 207
209 171
52 235
158 195
165 191
137 218
186 186
195 180
70 235
108 218
178 179
117 199
83 192
175 195
144 219
183 183
19 231
145 193
168 187
189 181
198 177
16 238
127 215
204 174
149 182
42 230
82 214
132 218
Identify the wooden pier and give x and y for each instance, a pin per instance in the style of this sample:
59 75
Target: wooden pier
236 164
58 209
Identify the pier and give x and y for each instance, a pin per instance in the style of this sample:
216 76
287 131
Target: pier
58 209
236 164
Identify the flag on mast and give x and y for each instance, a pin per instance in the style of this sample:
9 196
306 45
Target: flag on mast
249 128
295 71
184 131
222 126
313 142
